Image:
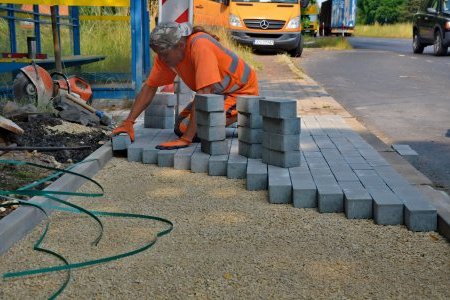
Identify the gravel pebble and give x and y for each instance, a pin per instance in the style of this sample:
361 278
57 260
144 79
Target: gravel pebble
227 243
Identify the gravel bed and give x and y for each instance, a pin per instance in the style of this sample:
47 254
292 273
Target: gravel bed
227 243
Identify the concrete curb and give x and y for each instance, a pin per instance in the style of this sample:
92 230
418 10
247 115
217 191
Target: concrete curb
20 222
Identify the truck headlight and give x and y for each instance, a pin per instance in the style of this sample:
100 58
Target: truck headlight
234 21
294 23
447 25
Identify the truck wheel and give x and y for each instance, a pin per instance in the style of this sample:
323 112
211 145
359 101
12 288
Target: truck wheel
438 46
297 52
417 45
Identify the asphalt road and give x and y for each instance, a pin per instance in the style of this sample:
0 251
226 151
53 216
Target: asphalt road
403 96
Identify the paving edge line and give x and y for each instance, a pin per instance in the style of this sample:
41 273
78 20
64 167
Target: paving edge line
24 219
439 199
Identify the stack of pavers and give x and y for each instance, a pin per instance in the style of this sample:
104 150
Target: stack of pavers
281 145
250 136
250 131
161 112
211 131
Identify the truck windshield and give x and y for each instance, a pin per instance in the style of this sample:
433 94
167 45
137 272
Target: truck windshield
446 6
268 1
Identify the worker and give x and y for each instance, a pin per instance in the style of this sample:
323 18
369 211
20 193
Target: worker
206 67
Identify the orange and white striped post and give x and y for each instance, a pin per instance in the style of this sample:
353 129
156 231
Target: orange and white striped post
176 11
179 11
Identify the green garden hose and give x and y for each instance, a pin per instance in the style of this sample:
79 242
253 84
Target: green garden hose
11 195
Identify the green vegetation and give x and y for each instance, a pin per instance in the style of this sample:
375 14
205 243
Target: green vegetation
386 11
328 43
399 30
108 38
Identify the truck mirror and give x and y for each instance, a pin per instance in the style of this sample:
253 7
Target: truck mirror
304 3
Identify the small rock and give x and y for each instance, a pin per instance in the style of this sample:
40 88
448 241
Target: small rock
2 209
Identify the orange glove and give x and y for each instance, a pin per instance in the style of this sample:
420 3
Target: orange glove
177 144
125 127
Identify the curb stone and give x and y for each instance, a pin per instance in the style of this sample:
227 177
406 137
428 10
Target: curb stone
21 221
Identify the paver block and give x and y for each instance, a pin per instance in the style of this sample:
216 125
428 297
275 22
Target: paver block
215 147
250 120
211 133
280 186
199 161
304 190
387 208
120 142
236 166
287 159
182 159
218 165
250 135
441 201
250 150
330 196
160 111
168 99
278 108
142 139
211 118
324 142
159 122
281 142
256 175
166 158
209 102
248 104
149 152
343 172
282 126
404 150
357 201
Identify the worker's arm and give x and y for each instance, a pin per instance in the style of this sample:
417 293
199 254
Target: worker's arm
143 99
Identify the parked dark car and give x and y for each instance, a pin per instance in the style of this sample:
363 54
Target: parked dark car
431 26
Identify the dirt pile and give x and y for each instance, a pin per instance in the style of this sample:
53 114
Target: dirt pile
40 132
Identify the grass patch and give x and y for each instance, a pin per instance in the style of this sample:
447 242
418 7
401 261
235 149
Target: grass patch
108 38
328 43
400 30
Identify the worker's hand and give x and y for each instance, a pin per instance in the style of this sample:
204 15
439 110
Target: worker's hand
177 144
125 127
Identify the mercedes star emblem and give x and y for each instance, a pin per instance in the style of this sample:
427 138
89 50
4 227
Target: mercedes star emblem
264 24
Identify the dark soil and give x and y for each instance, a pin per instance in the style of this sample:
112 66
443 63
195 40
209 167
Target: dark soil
36 135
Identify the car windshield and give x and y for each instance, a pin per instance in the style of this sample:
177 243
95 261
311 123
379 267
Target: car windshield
268 1
446 6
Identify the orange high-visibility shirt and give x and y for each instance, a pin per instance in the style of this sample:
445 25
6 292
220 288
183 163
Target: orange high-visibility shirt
207 62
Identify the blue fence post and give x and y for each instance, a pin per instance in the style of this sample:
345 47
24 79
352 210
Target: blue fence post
137 53
75 20
12 29
37 28
146 26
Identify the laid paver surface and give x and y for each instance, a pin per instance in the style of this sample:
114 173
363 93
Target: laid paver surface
232 243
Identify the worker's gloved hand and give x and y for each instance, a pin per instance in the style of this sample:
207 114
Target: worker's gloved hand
125 127
177 144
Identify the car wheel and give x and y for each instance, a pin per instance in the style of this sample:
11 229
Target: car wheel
297 52
417 45
438 46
